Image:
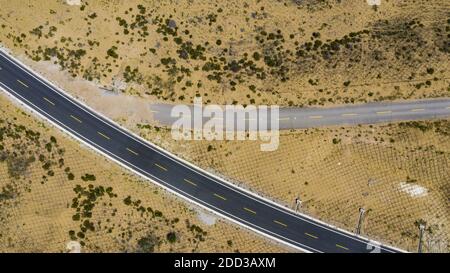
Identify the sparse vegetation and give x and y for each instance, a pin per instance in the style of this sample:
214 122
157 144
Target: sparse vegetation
306 60
107 211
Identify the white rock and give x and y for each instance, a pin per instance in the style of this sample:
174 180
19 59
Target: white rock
374 2
413 190
73 247
73 2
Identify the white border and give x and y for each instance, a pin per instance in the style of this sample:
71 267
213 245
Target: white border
175 158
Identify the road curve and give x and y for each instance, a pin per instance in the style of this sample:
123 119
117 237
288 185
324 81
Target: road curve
172 173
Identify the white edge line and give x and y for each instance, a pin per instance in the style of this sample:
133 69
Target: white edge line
151 177
194 168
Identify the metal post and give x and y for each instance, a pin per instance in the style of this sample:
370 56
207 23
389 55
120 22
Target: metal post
421 230
298 203
361 217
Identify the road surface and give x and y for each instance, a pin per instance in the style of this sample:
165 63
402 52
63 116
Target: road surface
172 173
370 113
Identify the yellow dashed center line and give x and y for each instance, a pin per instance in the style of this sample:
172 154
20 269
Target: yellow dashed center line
49 101
249 210
384 112
190 182
103 135
280 223
131 151
283 119
22 83
349 115
161 167
343 247
220 196
310 235
417 110
315 117
75 118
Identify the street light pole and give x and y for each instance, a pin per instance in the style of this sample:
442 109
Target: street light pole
298 204
361 217
421 230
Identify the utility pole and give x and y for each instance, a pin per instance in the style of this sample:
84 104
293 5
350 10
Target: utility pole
297 204
362 211
421 230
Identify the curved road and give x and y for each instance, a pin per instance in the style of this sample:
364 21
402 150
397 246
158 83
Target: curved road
187 181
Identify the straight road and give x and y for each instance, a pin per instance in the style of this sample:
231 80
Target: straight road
369 113
172 173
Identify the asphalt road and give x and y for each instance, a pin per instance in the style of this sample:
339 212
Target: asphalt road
170 172
370 113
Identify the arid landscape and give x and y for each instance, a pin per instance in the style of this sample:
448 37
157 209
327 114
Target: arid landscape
398 172
54 192
295 53
292 53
